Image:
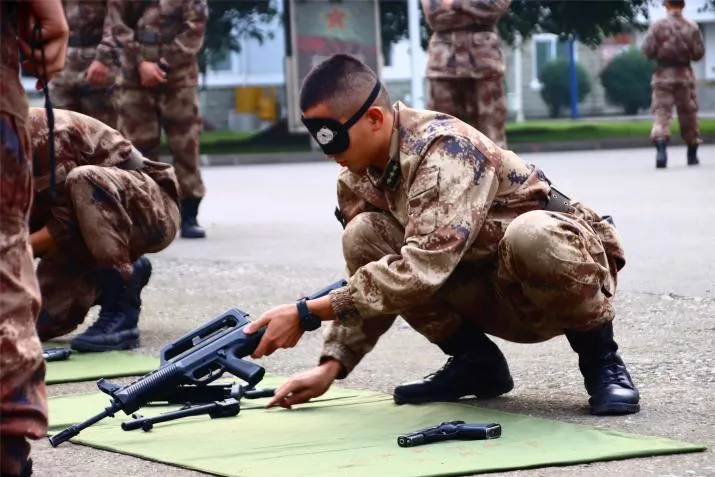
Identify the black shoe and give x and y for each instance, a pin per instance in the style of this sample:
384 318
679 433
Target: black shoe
605 375
116 328
693 155
480 371
661 155
190 227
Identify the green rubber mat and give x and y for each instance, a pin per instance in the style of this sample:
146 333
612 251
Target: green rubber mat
92 366
350 433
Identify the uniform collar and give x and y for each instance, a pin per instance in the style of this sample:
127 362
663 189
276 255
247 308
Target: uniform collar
390 178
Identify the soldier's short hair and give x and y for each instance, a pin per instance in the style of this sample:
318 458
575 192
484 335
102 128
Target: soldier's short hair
675 3
343 82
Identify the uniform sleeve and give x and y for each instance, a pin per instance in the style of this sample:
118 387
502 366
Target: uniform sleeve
447 204
188 43
485 12
350 344
649 45
121 31
697 48
107 51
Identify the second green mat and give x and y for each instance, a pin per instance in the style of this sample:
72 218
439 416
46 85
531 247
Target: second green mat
351 433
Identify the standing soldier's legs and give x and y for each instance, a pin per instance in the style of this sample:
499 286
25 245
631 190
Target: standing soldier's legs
182 125
662 101
123 215
64 97
476 367
556 277
447 96
138 120
100 104
686 104
23 396
487 105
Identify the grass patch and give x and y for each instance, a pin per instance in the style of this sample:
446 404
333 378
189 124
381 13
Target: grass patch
277 139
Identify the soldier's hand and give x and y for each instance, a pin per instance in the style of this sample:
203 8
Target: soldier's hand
283 330
50 39
97 73
306 385
150 74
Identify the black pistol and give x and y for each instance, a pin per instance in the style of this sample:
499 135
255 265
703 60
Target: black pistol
56 354
451 430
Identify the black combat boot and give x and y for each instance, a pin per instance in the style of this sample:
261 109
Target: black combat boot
605 375
190 227
476 368
661 155
693 155
116 328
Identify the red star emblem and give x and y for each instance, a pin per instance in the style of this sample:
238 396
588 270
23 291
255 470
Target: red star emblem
336 18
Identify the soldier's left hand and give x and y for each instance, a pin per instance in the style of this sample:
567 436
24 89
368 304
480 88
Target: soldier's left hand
282 330
97 73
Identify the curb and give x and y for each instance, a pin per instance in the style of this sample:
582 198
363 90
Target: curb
239 159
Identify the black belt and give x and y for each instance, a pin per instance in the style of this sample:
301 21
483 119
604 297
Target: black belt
557 202
672 64
149 37
81 40
473 28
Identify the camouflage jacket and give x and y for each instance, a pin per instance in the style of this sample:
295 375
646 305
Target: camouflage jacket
80 140
674 42
464 42
172 30
90 39
454 192
12 94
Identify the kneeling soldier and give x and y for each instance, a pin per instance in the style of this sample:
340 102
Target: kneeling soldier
97 210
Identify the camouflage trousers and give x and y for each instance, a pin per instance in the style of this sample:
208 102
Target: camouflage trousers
143 114
684 97
479 102
97 103
117 216
552 274
23 396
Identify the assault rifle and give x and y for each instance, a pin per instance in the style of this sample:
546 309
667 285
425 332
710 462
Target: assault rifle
190 363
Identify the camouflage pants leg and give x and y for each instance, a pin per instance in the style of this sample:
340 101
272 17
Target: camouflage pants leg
481 103
23 396
120 215
369 237
138 120
554 274
97 103
182 125
686 104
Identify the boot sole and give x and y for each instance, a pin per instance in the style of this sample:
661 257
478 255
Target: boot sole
615 409
93 347
399 400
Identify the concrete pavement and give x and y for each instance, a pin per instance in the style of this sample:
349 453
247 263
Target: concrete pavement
272 237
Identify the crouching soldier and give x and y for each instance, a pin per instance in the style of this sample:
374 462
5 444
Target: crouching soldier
98 208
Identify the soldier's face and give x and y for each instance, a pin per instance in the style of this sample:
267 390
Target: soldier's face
364 140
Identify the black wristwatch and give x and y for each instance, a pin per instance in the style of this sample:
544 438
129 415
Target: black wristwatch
308 321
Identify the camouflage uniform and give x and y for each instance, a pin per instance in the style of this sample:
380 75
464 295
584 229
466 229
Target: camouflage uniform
455 229
90 40
103 216
23 396
674 42
172 30
465 64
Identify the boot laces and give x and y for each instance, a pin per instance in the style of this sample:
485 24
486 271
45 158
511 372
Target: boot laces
445 369
106 322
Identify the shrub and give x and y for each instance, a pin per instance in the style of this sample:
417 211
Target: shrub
626 80
556 80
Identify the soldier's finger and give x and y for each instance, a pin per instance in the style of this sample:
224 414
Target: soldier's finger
299 397
281 393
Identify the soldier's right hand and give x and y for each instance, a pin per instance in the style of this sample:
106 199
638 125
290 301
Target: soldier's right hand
97 73
150 74
306 385
50 53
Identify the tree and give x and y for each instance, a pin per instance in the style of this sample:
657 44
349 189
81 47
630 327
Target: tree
556 91
230 22
626 80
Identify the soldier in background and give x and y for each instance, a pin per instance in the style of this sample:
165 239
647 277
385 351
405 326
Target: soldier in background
159 75
674 42
86 84
465 63
23 395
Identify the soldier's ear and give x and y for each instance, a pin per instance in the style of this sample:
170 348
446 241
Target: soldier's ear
376 116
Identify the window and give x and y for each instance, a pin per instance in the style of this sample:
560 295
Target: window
544 48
